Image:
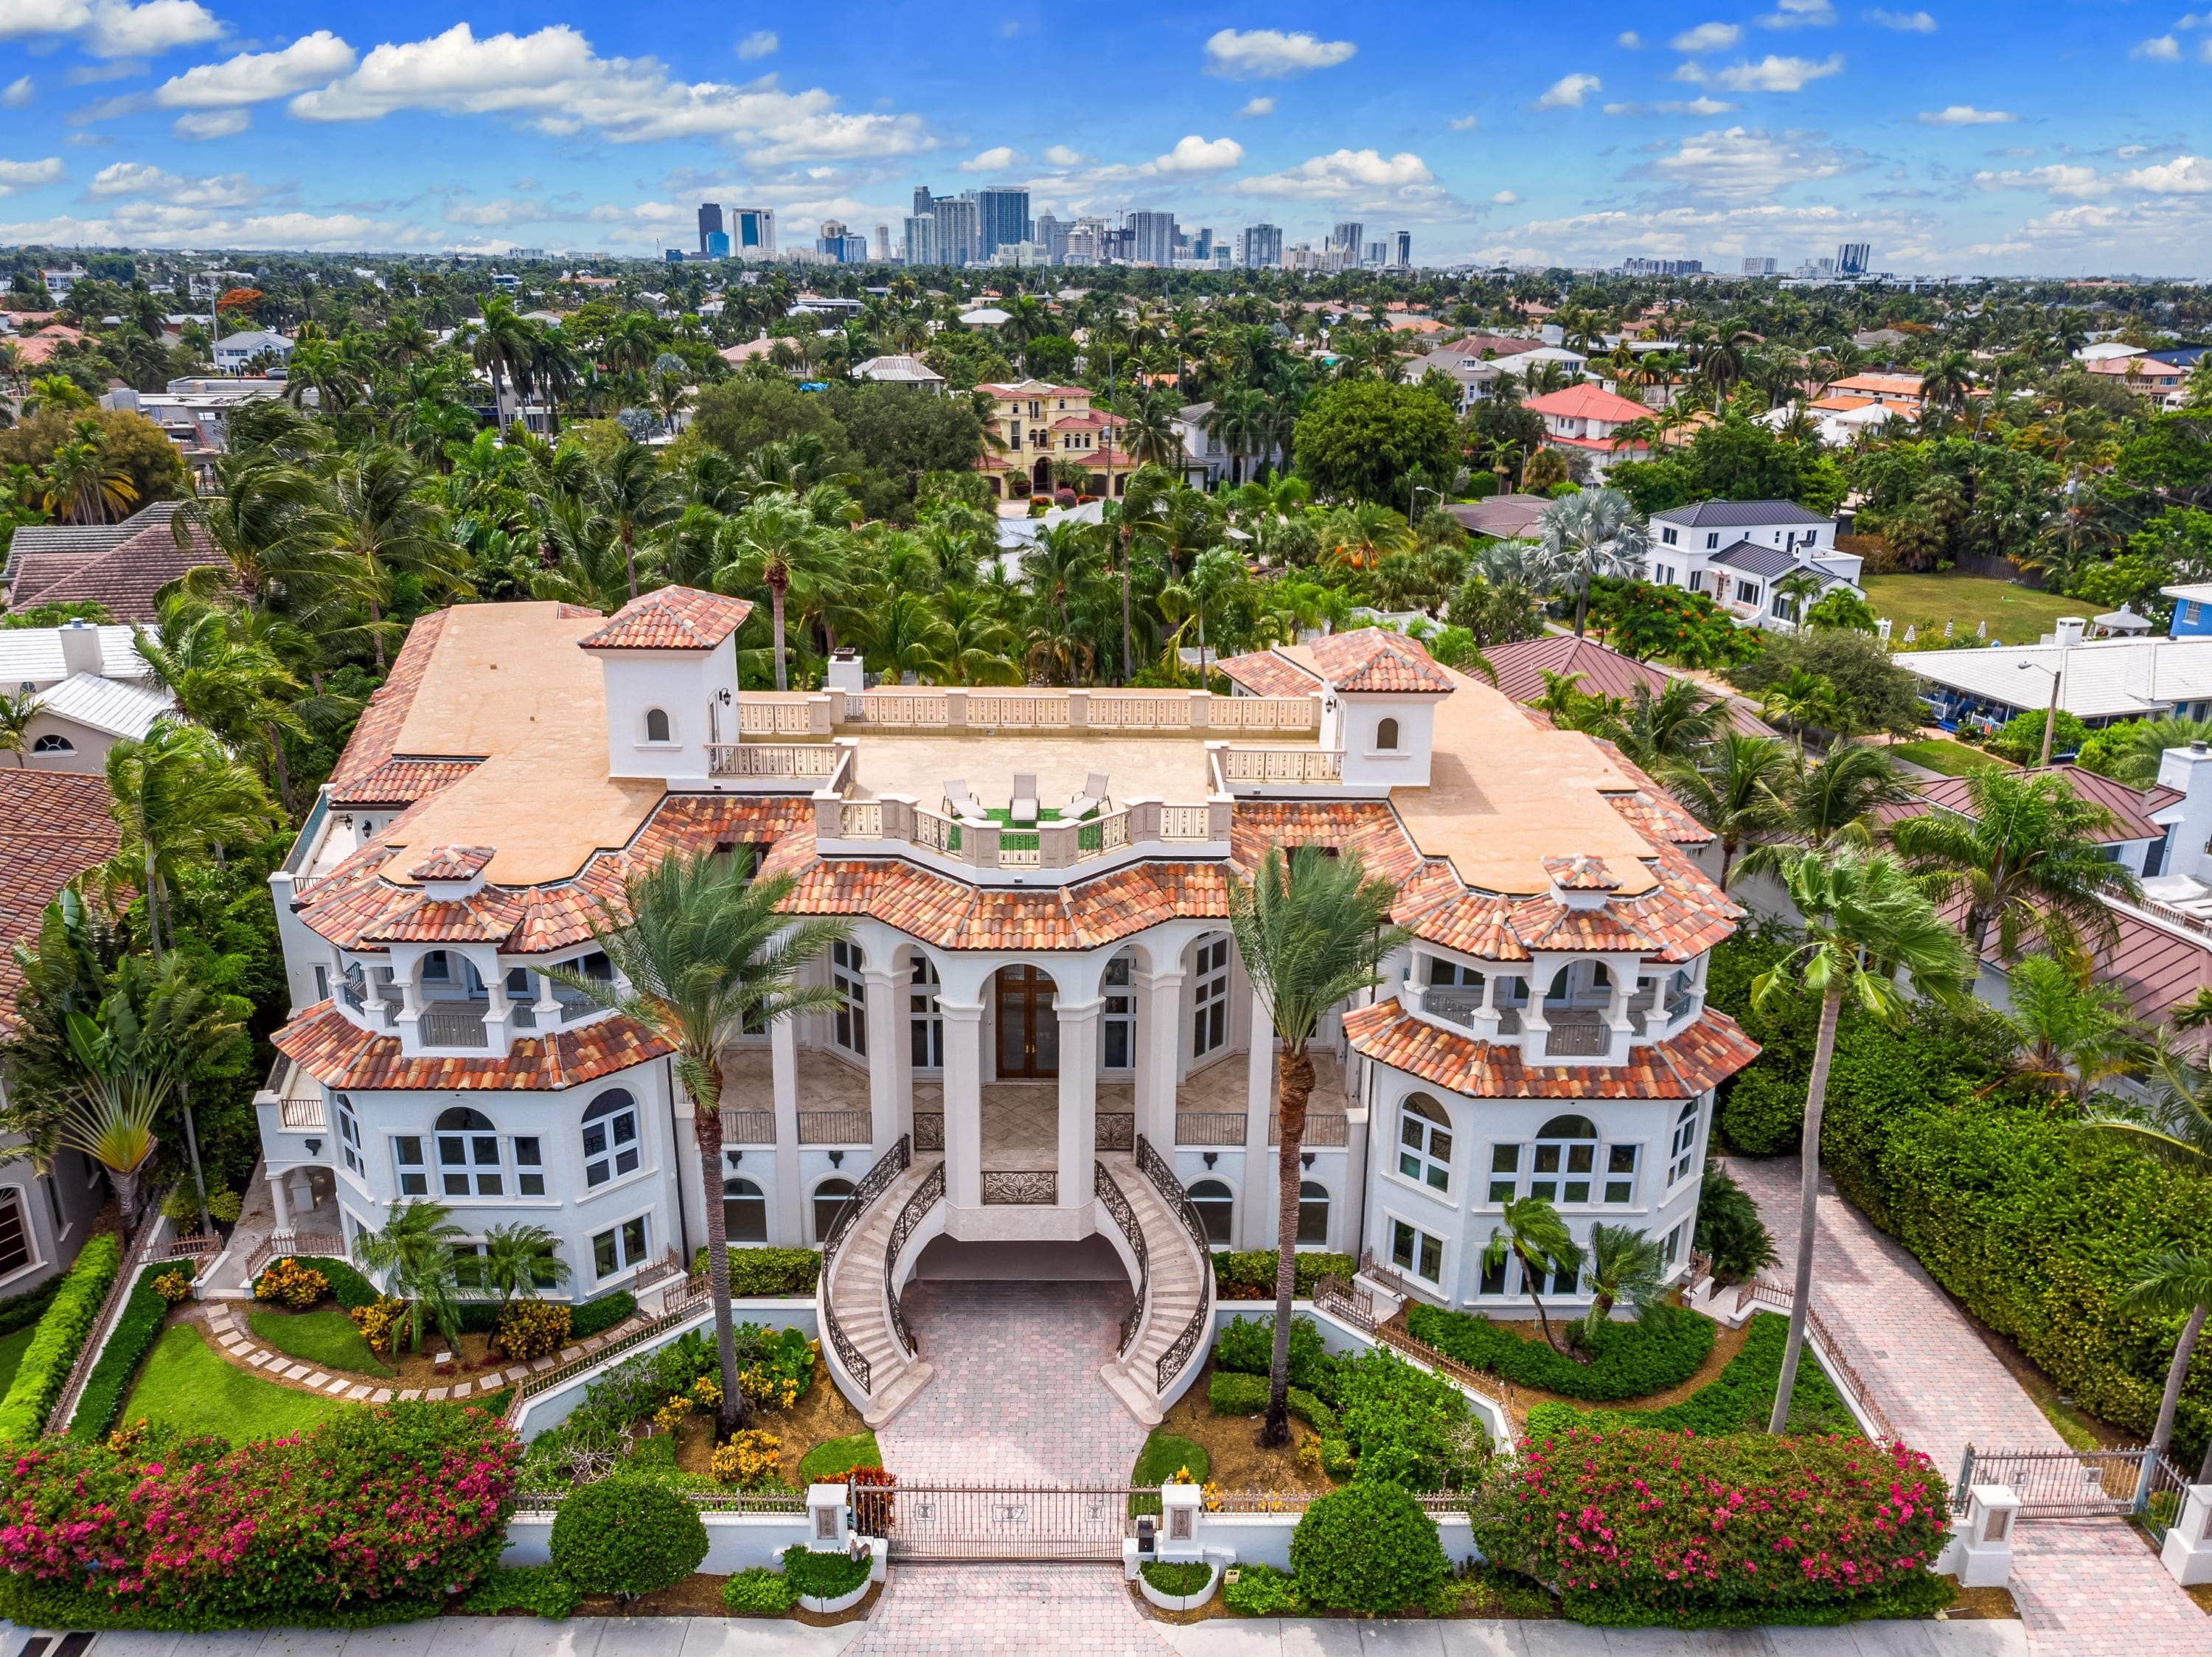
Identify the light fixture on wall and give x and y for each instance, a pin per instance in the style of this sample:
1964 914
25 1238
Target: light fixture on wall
724 697
314 1147
1306 1158
735 1157
1209 1158
836 1159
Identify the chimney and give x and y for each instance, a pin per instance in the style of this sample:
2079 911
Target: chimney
80 648
845 673
2070 628
2190 770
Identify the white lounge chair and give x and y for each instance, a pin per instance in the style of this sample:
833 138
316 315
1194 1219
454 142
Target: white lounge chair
1023 809
961 803
1092 797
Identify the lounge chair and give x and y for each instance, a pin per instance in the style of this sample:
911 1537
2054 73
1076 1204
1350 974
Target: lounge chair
961 803
1092 797
1023 809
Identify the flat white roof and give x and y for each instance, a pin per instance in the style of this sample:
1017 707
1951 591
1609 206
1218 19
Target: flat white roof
2103 679
2197 593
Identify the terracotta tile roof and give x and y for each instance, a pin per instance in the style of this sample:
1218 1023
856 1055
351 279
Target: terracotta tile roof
1711 1049
1477 923
2130 807
1265 673
673 618
1372 659
452 864
1580 874
400 781
1659 819
323 1042
1547 924
1521 667
1588 401
376 735
54 826
487 917
1431 884
1369 827
124 580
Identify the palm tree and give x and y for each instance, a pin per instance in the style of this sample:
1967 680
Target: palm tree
1671 724
2176 1283
1597 533
1150 433
1949 382
2175 1122
2026 855
1804 698
702 952
1839 797
631 488
1626 1267
177 796
2068 1033
505 345
269 521
1794 588
1734 787
1867 920
16 713
1309 930
131 1062
773 543
382 519
414 1252
81 484
1533 1232
519 1259
2146 743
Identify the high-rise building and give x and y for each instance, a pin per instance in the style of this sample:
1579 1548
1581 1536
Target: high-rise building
752 232
1759 267
883 244
1052 236
718 244
921 239
841 244
1853 258
922 201
1663 267
1377 255
710 224
1346 238
956 229
1402 250
1152 238
1260 247
1002 216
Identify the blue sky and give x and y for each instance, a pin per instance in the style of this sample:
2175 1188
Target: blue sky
2046 137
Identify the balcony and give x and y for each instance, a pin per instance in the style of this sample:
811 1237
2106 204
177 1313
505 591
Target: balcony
1576 1035
1325 1130
899 821
454 1024
834 1127
749 1127
954 708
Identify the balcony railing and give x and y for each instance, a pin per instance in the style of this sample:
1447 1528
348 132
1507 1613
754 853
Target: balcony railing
928 708
1323 1127
1209 1128
1281 765
454 1023
749 1127
834 1127
1114 1131
1027 1186
1579 1038
778 759
898 821
304 1115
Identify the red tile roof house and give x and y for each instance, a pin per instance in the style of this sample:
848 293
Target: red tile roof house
1583 419
1042 1032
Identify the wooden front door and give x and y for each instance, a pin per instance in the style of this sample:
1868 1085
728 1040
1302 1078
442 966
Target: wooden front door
1028 1028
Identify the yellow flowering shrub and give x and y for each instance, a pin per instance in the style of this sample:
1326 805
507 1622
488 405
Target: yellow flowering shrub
533 1329
174 1285
671 1414
750 1460
379 1321
289 1283
707 1392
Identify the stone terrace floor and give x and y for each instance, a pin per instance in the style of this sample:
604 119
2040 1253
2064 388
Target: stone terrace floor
2085 1587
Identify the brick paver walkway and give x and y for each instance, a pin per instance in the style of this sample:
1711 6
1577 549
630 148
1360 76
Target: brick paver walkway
1068 1611
2085 1588
1015 1399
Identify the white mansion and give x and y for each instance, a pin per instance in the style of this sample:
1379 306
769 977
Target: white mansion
1044 1033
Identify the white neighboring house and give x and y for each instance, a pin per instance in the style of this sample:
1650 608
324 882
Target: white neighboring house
91 687
1207 461
234 351
2103 681
1736 552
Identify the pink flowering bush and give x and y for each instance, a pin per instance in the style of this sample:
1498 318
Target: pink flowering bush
403 1502
1672 1521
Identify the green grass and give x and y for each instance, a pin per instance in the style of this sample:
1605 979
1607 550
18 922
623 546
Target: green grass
328 1339
1952 759
835 1455
12 1348
1164 1454
2016 615
186 1384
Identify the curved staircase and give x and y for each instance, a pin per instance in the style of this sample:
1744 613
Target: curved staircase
863 1336
1164 1344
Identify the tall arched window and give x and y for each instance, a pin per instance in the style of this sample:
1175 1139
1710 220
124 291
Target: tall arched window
1566 1152
466 1141
1217 1209
744 1211
829 1199
610 1142
1313 1211
1425 1141
656 724
1210 997
1386 735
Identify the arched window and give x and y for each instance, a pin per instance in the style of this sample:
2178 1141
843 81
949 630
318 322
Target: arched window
1210 999
656 724
744 1211
1425 1141
462 1119
51 744
611 1140
1217 1209
1386 735
468 1152
924 1024
1566 1146
1313 1211
829 1199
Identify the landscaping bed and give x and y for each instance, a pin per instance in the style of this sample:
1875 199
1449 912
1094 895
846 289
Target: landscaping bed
1611 1362
1736 1400
187 1386
1233 1457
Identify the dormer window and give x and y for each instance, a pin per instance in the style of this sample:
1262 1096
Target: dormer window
51 744
656 725
1386 735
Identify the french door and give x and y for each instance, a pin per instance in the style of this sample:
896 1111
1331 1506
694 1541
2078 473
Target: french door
1028 1028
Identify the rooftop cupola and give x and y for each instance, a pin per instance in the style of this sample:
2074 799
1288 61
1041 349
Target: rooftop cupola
1380 708
670 661
1581 882
451 873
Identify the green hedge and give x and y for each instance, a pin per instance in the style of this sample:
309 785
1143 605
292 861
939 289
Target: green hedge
2036 1227
595 1317
30 1603
21 1310
823 1576
136 1331
61 1335
1625 1360
767 1273
1250 1275
538 1589
1737 1400
1232 1394
1915 1597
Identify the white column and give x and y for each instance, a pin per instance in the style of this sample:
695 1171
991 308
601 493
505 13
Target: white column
886 1047
278 1201
963 1101
1259 1154
1079 1099
783 1067
1159 1039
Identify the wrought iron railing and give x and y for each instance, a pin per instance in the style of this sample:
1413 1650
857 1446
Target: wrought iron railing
929 1131
926 1195
749 1127
1582 1038
1209 1128
452 1023
1032 1187
1172 1193
1114 1131
1190 1340
695 1295
1841 1370
1323 1127
878 1179
320 1244
1104 1187
2123 1480
707 1502
834 1127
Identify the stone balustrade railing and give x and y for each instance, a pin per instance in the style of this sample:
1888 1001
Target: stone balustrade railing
902 819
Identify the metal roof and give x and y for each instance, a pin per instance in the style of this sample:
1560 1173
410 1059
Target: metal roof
105 705
1756 560
33 655
1738 515
2103 679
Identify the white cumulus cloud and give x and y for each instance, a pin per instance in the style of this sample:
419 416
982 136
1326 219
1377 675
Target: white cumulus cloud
1965 115
1060 155
1629 40
761 43
1775 73
1700 105
1256 107
111 28
1707 37
2159 49
18 92
204 124
1266 54
1908 23
1800 13
1569 91
1462 123
129 178
996 159
1505 199
1741 160
253 77
15 177
1360 178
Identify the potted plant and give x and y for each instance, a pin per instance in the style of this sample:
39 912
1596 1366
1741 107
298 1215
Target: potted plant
1178 1584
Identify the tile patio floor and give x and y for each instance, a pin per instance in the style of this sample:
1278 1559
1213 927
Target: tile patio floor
2085 1587
1068 1611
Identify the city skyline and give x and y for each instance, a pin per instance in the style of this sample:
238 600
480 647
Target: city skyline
1952 139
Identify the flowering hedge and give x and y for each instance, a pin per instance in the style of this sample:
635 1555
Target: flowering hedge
393 1504
1671 1522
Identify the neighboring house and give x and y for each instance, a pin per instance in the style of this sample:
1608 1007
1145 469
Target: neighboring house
92 689
1509 517
736 355
1737 551
1019 1018
195 413
2099 681
2192 609
1208 462
1583 419
1038 423
234 351
53 827
1897 392
2145 375
1522 665
896 371
121 566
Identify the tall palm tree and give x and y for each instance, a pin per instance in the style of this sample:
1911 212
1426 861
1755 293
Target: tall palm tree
1626 1267
1806 699
630 487
177 796
1673 723
1734 787
2026 855
82 485
775 542
700 953
1531 1231
381 520
1309 929
504 346
1867 920
1598 532
519 1259
269 521
1949 382
1837 796
2176 1283
413 1251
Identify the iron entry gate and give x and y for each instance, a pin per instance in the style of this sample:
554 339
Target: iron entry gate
977 1521
2080 1484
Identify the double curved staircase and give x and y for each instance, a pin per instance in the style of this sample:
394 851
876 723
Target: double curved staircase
1141 1208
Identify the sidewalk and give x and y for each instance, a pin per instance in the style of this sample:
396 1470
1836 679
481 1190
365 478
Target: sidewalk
1291 1637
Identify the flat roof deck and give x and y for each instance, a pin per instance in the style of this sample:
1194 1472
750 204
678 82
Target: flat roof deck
1165 765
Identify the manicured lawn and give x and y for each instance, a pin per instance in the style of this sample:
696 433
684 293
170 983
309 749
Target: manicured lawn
187 1385
11 1353
1952 759
835 1455
1166 1453
2016 615
327 1339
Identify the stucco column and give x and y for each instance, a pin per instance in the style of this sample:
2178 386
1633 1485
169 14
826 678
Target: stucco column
963 1101
1159 1037
278 1201
1259 1106
1079 1099
783 1072
887 1022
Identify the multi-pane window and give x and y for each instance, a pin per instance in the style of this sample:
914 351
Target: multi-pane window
1619 1174
1681 1150
1313 1211
620 1248
414 1176
1451 972
15 1234
924 1021
1414 1250
1118 1038
1425 1141
350 1139
1210 999
468 1154
1561 1171
744 1211
612 1148
831 1197
848 1023
1217 1209
529 1167
1505 1172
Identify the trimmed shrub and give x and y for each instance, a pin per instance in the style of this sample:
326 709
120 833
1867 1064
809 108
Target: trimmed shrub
1915 1598
1312 1411
347 1287
533 1329
598 1316
1177 1577
1337 1460
1409 1426
136 1330
823 1576
292 1283
1248 1347
767 1273
750 1460
33 1604
61 1335
1250 1275
380 1321
539 1588
758 1593
1367 1548
1261 1591
21 1310
1630 1515
396 1503
1731 1234
1236 1395
1627 1360
1737 1400
174 1285
626 1537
